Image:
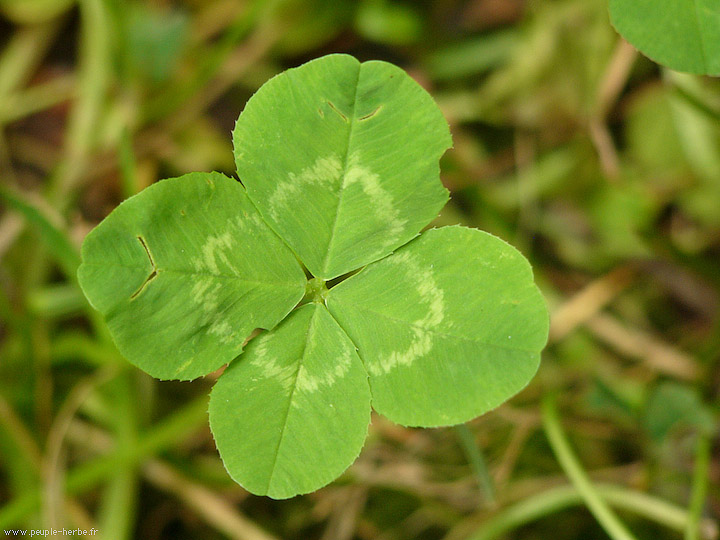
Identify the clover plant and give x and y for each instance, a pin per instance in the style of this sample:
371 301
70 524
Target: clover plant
318 244
681 34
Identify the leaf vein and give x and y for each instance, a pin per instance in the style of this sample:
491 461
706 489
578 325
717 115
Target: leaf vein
703 52
290 399
195 273
346 159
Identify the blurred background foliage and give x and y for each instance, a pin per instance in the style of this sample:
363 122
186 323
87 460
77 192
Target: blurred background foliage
602 167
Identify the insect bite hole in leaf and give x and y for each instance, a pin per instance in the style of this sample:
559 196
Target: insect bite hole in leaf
334 108
152 275
369 116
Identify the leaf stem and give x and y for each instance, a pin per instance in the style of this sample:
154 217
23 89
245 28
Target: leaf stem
559 498
93 79
477 461
572 467
699 487
118 506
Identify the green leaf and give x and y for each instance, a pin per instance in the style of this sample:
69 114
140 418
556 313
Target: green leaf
388 22
449 326
154 40
184 271
681 34
291 414
672 405
341 159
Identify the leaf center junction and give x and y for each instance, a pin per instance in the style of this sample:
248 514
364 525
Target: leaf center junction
315 291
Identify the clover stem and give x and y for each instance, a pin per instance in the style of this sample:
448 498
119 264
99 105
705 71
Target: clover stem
598 507
699 488
559 498
477 462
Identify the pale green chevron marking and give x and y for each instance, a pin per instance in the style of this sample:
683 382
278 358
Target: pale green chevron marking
291 414
431 297
341 159
681 34
381 202
448 327
325 173
311 382
184 271
215 248
269 366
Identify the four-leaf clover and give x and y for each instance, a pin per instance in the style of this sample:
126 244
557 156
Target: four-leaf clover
338 167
